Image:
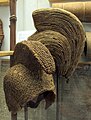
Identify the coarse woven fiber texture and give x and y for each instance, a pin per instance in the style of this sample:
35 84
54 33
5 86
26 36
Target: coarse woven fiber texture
33 55
55 47
59 47
81 9
65 23
22 86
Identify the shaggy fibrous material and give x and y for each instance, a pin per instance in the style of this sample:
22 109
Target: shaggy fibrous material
67 24
59 40
22 86
59 47
33 55
81 9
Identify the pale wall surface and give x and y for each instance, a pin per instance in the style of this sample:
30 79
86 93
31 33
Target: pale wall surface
24 17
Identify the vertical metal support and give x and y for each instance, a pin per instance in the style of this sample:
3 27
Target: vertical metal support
12 27
26 112
12 24
13 115
12 38
57 96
